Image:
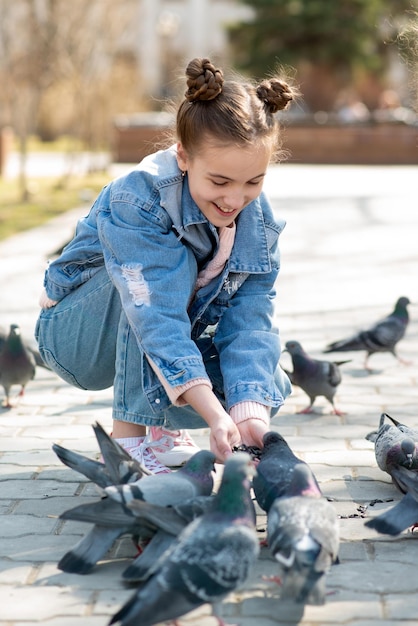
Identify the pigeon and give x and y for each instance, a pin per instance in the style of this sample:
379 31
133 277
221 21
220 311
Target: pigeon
383 336
396 451
117 468
405 513
395 445
315 377
38 359
112 518
274 470
17 364
169 521
211 558
194 478
303 537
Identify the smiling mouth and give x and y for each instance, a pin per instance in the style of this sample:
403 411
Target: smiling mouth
224 209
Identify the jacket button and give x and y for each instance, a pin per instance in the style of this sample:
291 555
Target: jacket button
157 401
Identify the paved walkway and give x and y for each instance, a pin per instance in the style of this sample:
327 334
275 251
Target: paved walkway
348 251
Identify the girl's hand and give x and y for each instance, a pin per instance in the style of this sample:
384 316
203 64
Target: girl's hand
224 435
252 431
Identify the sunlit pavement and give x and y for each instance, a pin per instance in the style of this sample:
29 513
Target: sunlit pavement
349 250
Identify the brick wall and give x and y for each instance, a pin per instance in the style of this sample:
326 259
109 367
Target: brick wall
383 143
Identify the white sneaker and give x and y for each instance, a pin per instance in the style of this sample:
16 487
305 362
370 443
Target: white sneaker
172 447
142 452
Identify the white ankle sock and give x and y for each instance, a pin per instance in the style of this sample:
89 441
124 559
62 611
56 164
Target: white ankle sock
130 442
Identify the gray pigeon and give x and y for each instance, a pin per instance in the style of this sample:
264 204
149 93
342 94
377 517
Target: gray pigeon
395 445
146 524
38 359
192 479
383 336
169 521
274 470
315 377
396 451
117 468
17 364
111 517
303 536
212 557
405 513
111 520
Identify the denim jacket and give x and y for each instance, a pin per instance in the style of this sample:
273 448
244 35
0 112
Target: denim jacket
153 239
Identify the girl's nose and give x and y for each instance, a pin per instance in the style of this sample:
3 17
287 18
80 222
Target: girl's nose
234 200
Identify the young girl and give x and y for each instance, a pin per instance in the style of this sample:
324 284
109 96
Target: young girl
166 291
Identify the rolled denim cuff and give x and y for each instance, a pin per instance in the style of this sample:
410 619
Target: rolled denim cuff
175 393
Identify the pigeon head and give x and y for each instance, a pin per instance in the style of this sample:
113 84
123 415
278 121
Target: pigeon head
294 348
408 448
200 466
240 466
401 310
402 454
233 494
272 439
15 336
402 302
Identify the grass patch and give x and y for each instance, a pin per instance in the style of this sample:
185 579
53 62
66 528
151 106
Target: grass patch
48 198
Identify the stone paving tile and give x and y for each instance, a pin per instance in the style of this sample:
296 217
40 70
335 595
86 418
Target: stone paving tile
342 269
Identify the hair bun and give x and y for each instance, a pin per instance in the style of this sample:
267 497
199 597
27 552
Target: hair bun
204 81
275 94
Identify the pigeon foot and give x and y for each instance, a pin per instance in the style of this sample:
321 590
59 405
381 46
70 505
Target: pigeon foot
273 579
306 411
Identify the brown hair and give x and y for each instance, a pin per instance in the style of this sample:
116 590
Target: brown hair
230 111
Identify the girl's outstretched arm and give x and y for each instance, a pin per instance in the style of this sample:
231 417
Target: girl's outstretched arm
223 432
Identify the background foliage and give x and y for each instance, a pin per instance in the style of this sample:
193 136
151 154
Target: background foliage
332 45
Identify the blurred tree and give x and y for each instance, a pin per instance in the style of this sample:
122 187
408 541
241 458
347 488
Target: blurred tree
408 46
325 41
26 68
62 54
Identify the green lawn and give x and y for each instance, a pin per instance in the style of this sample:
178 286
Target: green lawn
48 197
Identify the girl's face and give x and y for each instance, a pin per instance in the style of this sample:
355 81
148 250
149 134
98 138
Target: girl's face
223 179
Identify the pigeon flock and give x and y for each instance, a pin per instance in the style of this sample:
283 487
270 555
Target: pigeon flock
197 543
198 546
318 377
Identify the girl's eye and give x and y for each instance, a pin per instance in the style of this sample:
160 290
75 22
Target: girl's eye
219 184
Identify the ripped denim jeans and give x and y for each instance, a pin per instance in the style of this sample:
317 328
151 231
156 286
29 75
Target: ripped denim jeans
86 339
